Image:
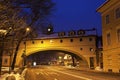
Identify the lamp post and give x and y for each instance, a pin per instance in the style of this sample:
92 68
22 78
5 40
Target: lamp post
10 62
24 52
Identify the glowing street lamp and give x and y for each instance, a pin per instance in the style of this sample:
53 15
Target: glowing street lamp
50 29
27 29
24 52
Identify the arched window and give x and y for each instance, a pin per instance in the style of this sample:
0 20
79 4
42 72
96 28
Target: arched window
107 19
108 39
118 34
117 12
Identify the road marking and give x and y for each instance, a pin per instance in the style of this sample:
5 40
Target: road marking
55 79
53 73
73 75
47 73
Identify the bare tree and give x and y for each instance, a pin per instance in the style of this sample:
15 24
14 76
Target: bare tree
16 15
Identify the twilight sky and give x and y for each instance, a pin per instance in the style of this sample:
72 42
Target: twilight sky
76 14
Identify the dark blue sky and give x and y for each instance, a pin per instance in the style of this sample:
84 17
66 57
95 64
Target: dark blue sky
76 14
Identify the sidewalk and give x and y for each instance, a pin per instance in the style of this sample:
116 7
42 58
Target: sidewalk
92 70
13 75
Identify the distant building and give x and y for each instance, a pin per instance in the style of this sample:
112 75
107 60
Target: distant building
110 13
7 51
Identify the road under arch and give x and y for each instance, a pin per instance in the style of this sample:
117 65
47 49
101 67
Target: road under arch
77 60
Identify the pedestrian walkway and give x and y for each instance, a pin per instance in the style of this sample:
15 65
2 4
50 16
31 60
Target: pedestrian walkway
10 76
5 75
92 70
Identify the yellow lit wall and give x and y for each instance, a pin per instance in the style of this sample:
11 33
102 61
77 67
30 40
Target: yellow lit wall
111 51
70 44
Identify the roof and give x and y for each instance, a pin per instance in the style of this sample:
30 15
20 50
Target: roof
102 5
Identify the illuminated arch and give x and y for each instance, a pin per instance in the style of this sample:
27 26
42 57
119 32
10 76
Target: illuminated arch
60 50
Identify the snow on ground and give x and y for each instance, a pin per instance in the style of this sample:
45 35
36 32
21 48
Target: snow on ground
5 68
16 75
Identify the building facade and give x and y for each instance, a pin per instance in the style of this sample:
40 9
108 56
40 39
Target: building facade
110 13
7 52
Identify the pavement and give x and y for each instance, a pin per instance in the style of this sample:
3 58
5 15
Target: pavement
96 70
5 72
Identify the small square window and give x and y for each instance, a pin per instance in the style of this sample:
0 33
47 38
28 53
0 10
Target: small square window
71 40
33 42
81 49
61 41
81 39
41 42
90 39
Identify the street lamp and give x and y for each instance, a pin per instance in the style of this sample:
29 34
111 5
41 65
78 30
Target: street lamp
50 29
9 54
27 29
24 52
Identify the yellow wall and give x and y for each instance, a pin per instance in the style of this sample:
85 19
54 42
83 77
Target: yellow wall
66 45
111 53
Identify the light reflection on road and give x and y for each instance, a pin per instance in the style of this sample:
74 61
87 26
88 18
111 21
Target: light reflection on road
61 73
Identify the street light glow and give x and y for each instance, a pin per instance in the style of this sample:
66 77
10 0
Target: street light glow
49 29
27 29
34 63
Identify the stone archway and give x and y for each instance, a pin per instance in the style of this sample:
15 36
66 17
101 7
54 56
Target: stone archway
82 60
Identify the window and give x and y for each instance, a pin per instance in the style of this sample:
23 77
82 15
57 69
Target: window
107 19
41 42
61 41
81 49
117 12
71 33
90 39
71 40
61 34
118 35
5 61
81 39
109 70
119 59
108 39
33 42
